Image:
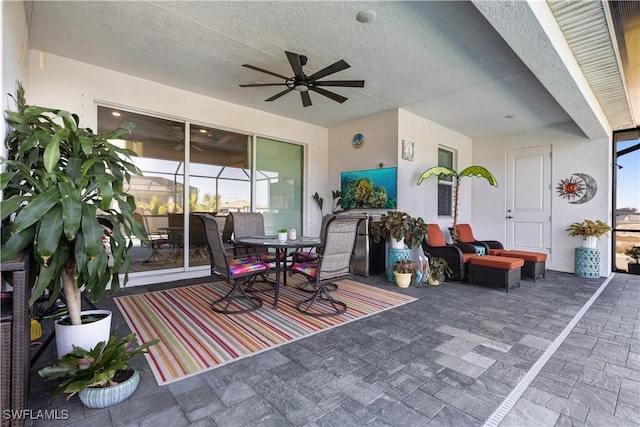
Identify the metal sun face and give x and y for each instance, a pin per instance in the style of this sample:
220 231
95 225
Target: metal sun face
571 188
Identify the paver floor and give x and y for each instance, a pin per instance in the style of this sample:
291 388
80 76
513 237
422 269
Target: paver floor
451 358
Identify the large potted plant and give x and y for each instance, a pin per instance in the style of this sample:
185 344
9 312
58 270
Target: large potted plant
65 199
103 375
590 230
442 172
400 226
634 253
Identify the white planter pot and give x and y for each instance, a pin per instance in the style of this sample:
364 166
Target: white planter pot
86 335
590 242
397 244
282 237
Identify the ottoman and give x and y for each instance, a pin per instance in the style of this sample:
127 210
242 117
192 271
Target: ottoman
492 269
534 262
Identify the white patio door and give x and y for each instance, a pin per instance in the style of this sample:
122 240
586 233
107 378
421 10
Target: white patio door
529 199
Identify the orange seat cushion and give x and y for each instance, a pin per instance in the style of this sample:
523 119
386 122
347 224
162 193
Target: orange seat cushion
502 262
465 234
435 237
525 255
496 251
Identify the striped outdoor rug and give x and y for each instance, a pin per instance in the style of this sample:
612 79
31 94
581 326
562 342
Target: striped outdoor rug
194 339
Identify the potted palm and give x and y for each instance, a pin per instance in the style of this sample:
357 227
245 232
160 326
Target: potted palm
590 230
103 375
634 253
403 271
442 172
401 227
65 199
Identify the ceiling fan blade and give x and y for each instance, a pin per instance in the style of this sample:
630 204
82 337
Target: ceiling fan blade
306 99
195 147
265 71
333 68
328 94
278 95
263 84
296 64
342 83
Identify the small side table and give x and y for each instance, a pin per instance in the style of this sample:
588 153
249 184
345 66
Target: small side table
587 262
393 256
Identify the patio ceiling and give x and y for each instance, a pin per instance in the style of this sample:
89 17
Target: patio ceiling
464 65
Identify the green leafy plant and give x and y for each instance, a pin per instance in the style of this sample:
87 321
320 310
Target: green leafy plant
404 266
65 198
439 269
589 228
97 367
442 172
399 225
282 230
335 194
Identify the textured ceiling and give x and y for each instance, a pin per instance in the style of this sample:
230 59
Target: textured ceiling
440 60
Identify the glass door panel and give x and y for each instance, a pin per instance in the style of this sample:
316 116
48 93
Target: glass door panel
627 196
279 167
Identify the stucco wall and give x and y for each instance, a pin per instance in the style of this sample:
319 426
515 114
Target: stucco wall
571 153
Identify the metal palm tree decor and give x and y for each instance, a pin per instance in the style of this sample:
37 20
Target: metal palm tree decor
442 171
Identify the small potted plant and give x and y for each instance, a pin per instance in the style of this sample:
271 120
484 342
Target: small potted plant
438 270
103 375
282 235
403 271
401 227
590 231
634 253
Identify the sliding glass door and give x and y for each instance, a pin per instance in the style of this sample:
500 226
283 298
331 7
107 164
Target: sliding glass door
192 168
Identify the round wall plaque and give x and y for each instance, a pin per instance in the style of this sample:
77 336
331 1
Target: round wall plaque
358 140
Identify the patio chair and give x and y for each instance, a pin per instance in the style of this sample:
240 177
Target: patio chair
237 270
465 235
457 255
335 262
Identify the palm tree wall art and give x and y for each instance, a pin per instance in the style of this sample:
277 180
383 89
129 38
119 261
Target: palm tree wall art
442 172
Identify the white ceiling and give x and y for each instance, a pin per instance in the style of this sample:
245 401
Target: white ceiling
439 60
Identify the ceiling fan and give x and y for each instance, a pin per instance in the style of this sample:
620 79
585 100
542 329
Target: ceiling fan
304 83
176 133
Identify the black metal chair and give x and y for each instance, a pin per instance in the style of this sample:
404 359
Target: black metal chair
335 262
237 270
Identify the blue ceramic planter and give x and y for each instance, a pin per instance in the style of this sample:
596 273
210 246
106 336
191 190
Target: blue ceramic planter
103 397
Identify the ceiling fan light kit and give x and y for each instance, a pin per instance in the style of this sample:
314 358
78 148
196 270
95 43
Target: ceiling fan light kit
303 83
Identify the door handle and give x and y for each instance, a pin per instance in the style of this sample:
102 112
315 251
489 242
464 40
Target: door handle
509 217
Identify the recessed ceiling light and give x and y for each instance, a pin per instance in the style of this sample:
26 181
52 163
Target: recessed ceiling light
116 113
203 131
366 16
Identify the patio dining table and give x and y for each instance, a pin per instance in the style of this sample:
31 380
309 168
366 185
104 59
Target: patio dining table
281 251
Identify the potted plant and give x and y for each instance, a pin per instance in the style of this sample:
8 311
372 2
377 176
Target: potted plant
634 253
103 375
282 235
403 272
442 171
401 227
438 270
65 199
590 230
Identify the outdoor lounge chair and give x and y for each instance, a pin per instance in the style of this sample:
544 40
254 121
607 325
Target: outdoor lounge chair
457 255
465 235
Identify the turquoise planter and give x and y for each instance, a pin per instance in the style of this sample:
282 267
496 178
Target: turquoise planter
103 397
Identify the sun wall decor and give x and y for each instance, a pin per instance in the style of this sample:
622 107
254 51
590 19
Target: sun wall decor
578 188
